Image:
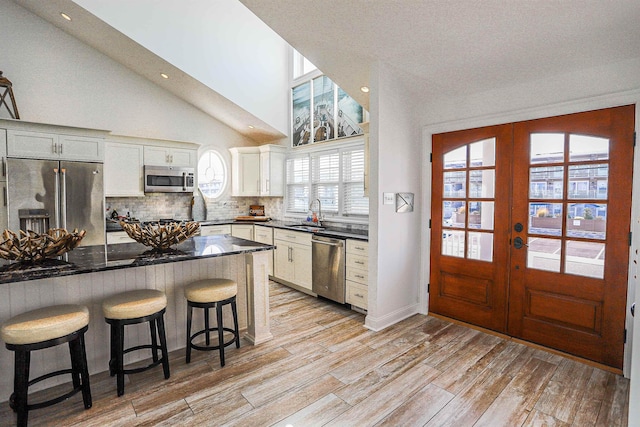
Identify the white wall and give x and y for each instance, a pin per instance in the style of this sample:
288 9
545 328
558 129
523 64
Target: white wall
60 80
204 37
395 152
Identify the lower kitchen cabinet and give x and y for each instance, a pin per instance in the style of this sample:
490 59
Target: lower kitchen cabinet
292 259
243 231
357 273
212 230
263 234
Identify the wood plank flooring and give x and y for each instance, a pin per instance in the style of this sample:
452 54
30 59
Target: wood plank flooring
324 368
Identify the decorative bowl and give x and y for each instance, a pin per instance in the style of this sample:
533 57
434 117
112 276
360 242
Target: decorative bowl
29 246
161 237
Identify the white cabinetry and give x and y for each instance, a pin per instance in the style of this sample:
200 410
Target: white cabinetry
257 171
123 170
264 234
245 171
243 231
272 158
53 146
292 259
357 267
167 156
212 230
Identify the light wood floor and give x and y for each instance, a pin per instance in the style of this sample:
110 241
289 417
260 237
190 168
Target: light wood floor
324 368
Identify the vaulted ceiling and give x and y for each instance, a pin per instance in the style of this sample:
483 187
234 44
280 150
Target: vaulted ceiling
437 48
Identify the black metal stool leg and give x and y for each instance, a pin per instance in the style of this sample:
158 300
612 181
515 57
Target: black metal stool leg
220 333
113 346
189 317
206 326
234 309
84 374
120 358
154 340
163 346
21 384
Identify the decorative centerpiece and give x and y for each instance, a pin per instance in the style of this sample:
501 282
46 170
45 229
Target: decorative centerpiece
161 237
29 246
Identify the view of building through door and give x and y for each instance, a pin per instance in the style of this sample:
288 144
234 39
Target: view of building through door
530 233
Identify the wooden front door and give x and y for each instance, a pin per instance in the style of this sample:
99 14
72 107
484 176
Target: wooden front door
530 233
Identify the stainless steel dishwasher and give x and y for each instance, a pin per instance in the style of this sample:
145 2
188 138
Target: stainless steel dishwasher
328 271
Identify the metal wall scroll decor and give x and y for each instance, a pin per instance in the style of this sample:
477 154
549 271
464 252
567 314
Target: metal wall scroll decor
6 89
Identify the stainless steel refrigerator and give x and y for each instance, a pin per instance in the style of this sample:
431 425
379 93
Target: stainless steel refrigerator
46 194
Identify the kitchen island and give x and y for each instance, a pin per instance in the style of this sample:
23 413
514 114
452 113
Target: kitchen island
87 275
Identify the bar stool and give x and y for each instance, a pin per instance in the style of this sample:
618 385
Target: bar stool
40 329
206 294
129 308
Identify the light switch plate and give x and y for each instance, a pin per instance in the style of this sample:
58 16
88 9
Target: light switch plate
388 198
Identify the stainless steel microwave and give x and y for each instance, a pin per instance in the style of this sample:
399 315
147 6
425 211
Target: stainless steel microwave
168 179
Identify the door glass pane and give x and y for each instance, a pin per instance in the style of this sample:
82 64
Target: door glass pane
545 218
546 182
482 183
453 214
480 246
456 159
453 243
455 184
587 220
583 148
585 259
481 215
483 153
588 181
543 254
547 148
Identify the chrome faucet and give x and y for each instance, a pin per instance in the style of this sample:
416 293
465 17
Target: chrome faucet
319 216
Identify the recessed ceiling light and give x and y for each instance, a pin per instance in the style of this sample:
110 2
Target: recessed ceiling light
364 89
251 127
65 16
164 76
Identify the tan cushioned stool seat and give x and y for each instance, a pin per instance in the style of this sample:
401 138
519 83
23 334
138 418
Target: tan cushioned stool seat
44 324
210 290
132 304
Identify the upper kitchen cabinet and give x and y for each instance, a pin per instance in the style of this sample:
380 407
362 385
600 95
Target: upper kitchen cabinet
272 158
257 171
123 170
168 156
245 171
53 146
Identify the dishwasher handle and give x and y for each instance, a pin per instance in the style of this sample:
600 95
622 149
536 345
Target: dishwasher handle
321 242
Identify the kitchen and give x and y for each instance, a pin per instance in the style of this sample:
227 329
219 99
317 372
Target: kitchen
162 116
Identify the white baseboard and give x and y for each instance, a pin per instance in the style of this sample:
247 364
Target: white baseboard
377 324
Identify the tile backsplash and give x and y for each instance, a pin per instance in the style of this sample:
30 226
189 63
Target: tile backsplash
176 205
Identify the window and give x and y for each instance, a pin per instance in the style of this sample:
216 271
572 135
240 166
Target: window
301 65
212 174
334 176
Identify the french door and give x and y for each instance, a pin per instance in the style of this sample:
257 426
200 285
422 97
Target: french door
530 231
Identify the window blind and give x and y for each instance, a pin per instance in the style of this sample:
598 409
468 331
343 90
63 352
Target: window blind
334 176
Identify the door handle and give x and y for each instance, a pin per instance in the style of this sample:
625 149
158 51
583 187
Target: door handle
518 243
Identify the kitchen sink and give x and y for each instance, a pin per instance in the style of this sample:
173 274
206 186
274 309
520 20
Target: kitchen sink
305 227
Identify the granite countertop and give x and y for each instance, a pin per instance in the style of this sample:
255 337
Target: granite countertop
88 259
342 233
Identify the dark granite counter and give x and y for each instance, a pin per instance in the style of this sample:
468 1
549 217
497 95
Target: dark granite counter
88 259
338 232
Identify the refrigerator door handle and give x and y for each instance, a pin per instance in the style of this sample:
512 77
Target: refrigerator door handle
57 198
63 197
